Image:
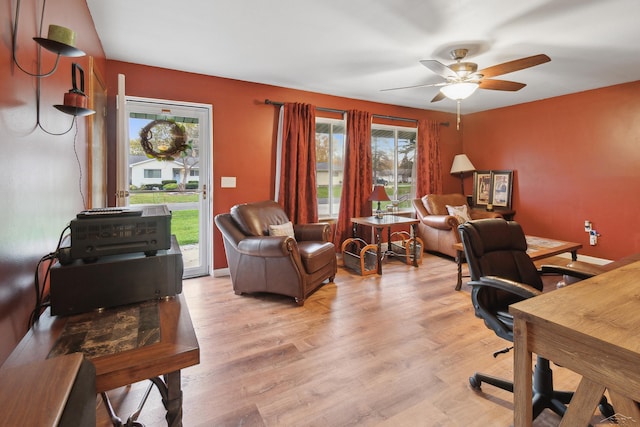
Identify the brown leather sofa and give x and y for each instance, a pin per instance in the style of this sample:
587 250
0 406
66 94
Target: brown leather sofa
259 262
439 230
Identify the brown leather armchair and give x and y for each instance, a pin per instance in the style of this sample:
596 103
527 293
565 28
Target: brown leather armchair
439 230
259 262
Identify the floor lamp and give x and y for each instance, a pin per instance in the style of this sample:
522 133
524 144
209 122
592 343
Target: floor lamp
461 164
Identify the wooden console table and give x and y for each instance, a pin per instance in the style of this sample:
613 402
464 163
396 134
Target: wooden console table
387 221
175 348
537 248
590 328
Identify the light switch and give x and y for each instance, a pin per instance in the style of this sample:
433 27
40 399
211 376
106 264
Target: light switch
228 182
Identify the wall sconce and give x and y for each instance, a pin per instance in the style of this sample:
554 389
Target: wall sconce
61 41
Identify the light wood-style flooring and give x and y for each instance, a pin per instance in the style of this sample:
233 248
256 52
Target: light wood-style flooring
390 350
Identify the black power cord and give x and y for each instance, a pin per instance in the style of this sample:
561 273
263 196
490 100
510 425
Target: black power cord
42 300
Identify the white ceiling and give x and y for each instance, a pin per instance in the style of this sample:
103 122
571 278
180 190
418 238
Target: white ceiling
355 48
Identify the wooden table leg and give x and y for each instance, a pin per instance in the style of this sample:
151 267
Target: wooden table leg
626 409
574 255
379 254
522 379
171 391
583 404
414 236
459 262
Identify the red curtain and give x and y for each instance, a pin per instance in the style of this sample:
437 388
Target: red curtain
428 164
358 174
297 192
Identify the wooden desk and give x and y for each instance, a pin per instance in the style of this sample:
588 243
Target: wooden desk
177 348
537 248
64 385
590 328
387 221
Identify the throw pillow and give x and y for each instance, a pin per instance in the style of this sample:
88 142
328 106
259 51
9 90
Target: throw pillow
460 212
285 229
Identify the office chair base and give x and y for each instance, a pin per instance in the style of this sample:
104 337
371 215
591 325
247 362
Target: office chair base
544 396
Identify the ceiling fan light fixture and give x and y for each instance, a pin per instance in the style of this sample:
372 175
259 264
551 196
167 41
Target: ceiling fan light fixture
458 91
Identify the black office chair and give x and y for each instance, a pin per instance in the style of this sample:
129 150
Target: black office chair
502 274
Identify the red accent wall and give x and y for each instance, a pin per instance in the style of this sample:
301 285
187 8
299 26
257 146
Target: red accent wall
576 158
39 174
244 128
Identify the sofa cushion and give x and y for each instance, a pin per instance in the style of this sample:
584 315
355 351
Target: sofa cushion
460 212
285 229
316 255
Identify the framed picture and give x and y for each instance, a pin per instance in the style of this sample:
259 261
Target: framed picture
481 188
501 185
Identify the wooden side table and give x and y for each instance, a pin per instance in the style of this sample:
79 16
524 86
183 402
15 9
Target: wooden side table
160 362
387 221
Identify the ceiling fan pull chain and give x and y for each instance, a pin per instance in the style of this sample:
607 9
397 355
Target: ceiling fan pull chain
458 110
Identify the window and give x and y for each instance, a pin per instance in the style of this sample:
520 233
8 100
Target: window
152 173
393 150
330 137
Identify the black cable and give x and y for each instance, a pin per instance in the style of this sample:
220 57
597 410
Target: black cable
41 303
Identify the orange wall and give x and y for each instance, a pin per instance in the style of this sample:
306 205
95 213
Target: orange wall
576 158
39 174
244 127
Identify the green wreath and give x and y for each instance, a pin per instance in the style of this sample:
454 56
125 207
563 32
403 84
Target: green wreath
163 139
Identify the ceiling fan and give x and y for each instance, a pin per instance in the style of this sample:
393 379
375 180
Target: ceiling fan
463 78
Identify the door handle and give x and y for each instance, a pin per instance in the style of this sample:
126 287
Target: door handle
204 191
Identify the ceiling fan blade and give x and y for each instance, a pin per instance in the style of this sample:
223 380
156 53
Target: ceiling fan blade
439 68
439 97
515 65
493 84
413 87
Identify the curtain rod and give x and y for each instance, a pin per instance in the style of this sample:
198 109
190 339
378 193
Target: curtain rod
333 110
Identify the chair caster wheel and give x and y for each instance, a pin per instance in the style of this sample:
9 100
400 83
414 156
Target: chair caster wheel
474 382
606 409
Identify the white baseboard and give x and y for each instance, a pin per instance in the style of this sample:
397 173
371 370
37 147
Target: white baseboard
586 258
221 272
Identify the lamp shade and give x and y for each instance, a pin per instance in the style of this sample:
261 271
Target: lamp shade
379 194
458 91
461 164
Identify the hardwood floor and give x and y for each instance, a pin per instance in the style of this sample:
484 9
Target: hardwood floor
390 350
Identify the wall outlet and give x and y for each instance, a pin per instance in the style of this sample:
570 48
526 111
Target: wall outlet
593 237
587 226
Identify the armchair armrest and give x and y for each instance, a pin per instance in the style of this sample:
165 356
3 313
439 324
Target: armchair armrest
441 222
266 246
516 288
319 231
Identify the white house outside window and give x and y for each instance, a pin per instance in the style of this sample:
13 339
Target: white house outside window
152 173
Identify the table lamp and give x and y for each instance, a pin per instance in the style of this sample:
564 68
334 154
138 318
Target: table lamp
462 164
379 195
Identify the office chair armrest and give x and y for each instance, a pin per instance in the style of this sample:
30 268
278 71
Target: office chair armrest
567 271
516 288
